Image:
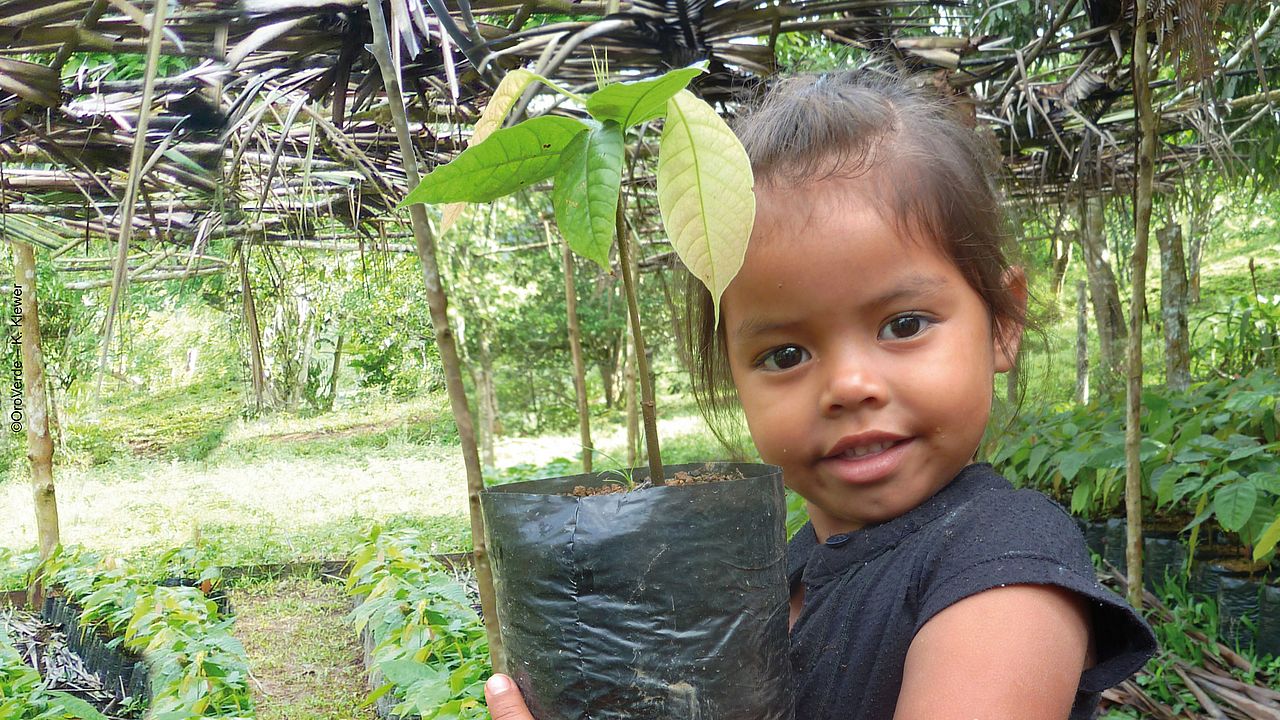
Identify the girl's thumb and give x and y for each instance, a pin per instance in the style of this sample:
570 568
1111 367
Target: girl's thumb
504 699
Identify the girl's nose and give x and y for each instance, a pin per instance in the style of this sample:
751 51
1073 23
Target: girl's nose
852 382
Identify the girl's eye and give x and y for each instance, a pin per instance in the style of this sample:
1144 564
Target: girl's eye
904 327
783 358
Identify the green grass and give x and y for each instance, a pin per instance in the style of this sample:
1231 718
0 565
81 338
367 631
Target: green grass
288 487
306 660
268 490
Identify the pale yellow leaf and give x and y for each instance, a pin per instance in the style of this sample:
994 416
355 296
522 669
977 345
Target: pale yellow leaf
504 98
704 192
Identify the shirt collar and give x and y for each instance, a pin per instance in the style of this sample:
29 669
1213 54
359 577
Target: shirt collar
818 562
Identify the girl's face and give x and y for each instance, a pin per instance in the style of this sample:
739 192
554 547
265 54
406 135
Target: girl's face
862 358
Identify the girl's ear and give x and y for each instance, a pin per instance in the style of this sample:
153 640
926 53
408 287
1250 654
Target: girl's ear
1008 332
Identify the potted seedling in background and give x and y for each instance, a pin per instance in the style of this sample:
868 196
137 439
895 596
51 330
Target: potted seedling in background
668 601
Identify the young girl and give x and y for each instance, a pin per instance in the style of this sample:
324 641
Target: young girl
861 338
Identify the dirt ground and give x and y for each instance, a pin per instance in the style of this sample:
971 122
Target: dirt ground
303 656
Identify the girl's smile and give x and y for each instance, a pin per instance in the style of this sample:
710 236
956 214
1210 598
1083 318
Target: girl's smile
862 357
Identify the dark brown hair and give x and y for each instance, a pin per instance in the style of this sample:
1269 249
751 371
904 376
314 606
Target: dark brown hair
938 183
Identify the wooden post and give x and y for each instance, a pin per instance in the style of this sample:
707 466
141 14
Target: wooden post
35 409
1146 153
438 303
1173 308
1082 343
575 349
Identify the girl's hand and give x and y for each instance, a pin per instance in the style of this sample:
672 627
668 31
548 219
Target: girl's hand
505 702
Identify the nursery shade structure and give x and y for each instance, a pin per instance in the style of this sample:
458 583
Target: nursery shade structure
269 123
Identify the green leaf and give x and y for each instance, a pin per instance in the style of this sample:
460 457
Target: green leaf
1244 452
406 672
632 103
504 98
1071 464
1234 503
1267 541
76 707
585 196
1038 454
510 159
704 192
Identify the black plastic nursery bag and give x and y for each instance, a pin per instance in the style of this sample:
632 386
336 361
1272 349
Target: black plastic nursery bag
667 603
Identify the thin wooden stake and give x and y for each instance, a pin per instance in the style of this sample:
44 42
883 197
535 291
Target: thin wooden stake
1142 230
439 307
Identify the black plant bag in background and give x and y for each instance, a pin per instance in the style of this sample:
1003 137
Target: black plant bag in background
666 603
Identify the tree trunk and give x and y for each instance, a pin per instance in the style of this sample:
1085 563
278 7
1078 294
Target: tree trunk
1107 311
303 371
36 408
439 307
55 420
1146 121
579 368
1061 259
1173 309
1082 343
1196 247
257 369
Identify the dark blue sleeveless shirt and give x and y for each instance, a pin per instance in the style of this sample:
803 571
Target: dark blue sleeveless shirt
868 592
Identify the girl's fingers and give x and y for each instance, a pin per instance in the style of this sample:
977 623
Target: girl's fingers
504 699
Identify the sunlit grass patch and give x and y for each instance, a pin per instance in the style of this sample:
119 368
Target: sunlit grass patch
305 659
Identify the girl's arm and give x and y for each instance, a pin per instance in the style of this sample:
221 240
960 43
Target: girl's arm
1010 652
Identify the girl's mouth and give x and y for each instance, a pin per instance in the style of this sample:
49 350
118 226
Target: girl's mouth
864 450
859 460
864 444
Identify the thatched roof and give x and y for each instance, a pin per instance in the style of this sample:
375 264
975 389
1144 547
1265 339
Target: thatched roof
275 129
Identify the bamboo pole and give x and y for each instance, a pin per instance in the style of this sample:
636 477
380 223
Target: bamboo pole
579 367
1146 152
135 181
36 408
439 307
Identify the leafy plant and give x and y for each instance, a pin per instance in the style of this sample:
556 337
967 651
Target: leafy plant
704 181
1240 337
428 642
1211 453
197 669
